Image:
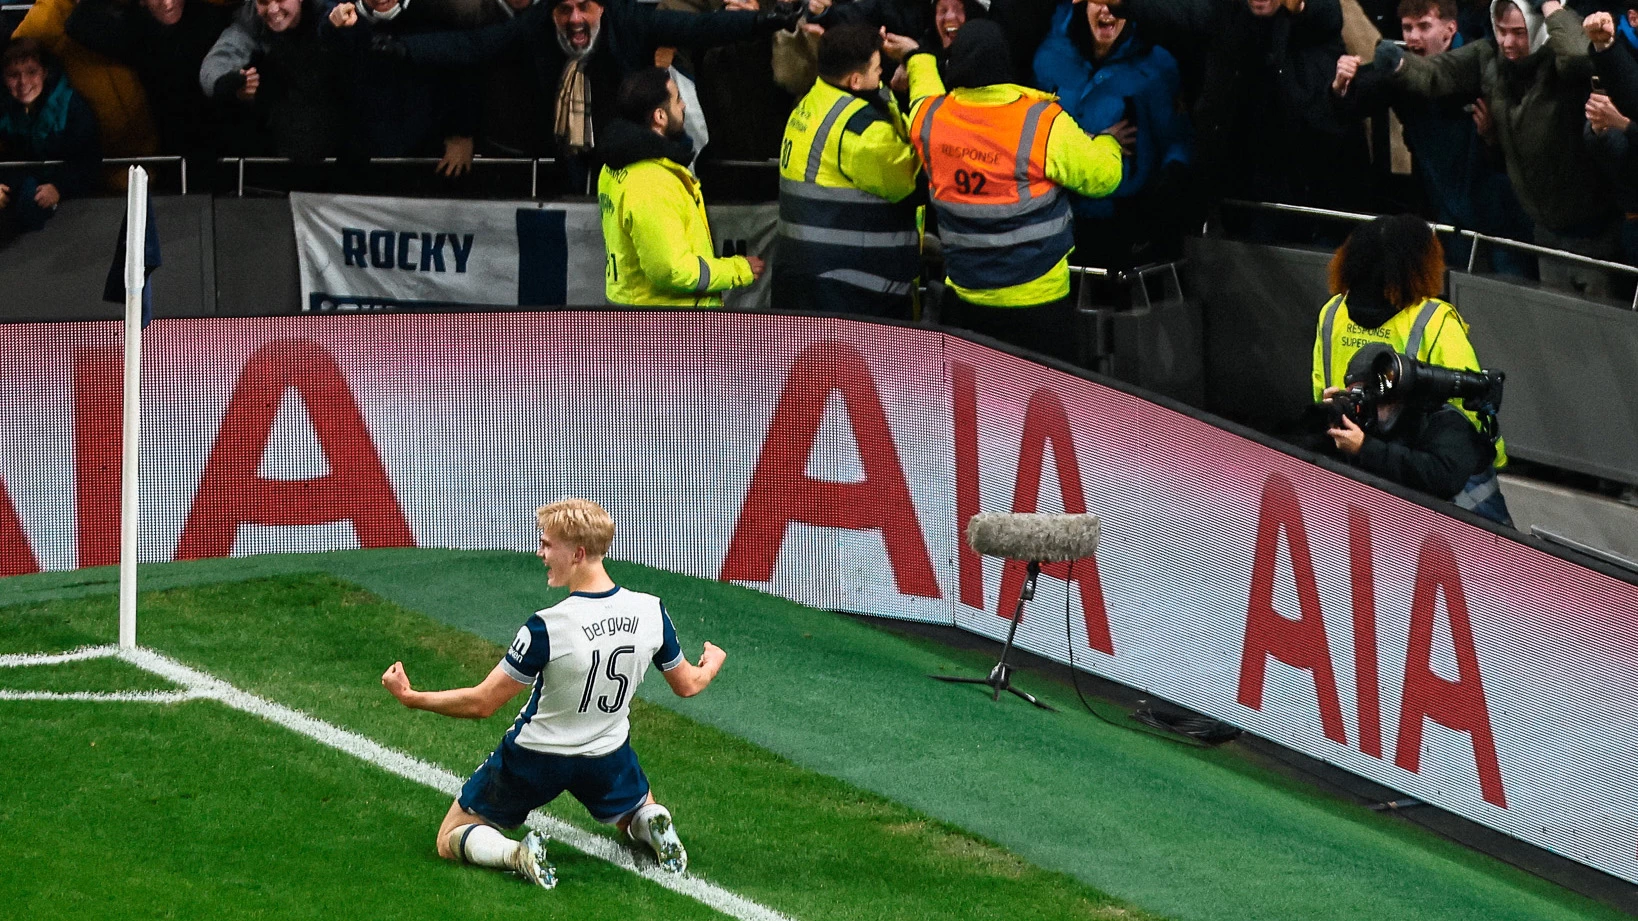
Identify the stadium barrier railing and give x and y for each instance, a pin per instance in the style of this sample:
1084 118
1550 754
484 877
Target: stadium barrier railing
1472 235
112 161
240 165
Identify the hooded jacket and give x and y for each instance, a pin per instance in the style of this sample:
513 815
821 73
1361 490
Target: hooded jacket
655 233
1537 106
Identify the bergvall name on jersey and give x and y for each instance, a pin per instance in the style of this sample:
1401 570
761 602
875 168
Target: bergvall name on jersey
609 627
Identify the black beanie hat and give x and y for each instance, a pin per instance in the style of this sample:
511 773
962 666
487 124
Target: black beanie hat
1359 366
978 56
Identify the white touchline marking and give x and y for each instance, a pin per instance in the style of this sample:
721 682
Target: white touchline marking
113 697
200 685
58 658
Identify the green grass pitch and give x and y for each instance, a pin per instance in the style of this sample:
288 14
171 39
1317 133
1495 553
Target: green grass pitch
822 776
195 810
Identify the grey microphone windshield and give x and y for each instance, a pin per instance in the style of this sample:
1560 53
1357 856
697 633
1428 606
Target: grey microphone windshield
1031 536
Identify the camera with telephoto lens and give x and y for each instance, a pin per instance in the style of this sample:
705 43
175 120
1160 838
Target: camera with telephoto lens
1395 378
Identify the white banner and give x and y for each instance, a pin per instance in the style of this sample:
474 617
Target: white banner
363 253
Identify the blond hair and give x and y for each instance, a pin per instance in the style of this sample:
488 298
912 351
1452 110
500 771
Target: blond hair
581 522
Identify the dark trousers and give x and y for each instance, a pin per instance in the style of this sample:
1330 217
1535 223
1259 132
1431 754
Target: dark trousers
1049 329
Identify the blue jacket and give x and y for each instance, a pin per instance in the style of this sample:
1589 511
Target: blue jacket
1094 93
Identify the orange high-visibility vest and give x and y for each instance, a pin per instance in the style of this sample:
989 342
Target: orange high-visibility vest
1001 220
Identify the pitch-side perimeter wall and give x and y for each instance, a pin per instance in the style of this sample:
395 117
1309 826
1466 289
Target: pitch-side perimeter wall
836 463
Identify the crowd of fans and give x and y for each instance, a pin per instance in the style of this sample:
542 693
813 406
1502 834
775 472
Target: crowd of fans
1510 119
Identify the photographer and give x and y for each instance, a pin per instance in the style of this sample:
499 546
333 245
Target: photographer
1384 283
1403 430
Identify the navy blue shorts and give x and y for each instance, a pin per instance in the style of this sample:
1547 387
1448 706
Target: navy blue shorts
515 780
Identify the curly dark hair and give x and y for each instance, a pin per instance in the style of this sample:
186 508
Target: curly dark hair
1387 265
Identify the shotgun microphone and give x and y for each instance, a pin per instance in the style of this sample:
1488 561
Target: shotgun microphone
1034 537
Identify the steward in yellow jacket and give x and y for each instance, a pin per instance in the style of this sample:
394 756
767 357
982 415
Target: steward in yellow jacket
998 157
848 240
654 228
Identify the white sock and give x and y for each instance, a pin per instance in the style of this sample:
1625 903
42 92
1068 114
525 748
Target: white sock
483 845
640 820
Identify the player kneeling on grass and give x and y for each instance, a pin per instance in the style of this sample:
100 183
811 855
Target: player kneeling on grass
584 658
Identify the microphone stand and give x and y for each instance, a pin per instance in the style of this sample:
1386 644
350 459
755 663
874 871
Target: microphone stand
1000 677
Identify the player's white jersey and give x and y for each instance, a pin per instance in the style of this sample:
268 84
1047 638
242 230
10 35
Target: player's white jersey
585 656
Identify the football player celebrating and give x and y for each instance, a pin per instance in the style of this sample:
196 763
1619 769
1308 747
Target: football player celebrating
584 658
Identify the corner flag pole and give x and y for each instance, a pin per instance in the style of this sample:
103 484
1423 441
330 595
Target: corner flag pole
136 235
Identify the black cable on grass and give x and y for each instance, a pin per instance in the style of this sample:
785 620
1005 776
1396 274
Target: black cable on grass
1193 731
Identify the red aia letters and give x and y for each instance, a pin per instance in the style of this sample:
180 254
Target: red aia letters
230 494
1300 641
1045 421
16 555
356 489
781 492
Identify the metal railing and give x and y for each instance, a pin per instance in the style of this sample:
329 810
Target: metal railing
533 164
109 161
240 163
1138 274
1473 235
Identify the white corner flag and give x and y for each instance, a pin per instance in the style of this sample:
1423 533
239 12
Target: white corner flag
141 256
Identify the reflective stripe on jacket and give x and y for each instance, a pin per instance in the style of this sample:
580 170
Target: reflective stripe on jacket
846 170
997 158
658 240
1432 332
